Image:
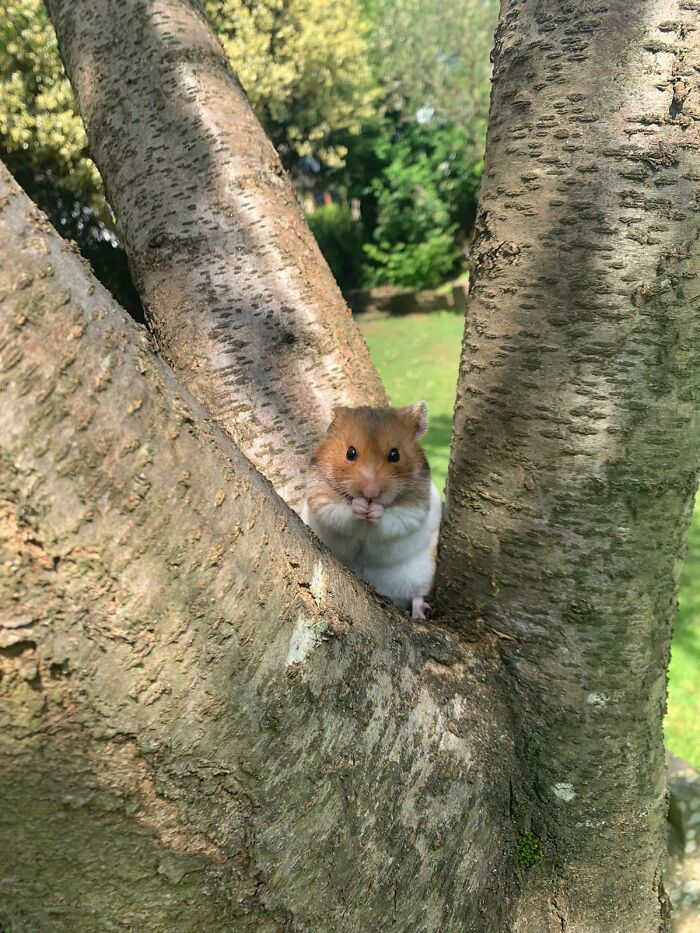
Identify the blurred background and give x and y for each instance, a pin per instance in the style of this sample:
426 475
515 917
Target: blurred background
378 109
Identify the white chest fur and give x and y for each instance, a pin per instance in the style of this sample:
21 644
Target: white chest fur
396 555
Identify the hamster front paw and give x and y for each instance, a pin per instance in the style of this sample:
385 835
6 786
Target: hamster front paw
360 507
375 511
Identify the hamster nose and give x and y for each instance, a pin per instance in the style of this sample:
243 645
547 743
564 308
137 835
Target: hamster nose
370 490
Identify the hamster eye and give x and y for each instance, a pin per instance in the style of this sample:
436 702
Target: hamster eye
351 454
394 455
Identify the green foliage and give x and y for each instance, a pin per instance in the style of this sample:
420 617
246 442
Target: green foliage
413 265
417 167
339 237
304 66
408 197
433 58
307 68
40 129
424 201
43 143
527 850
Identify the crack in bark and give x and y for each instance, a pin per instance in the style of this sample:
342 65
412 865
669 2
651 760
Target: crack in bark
560 915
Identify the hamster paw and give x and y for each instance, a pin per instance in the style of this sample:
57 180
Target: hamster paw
375 511
419 607
360 507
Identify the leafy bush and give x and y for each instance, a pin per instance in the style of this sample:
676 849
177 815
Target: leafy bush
414 265
420 203
40 129
339 237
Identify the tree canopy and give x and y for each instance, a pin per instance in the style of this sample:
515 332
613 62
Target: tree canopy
304 66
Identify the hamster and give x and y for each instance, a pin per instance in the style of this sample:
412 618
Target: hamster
371 500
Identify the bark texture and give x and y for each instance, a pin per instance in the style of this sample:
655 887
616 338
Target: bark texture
236 291
204 721
576 441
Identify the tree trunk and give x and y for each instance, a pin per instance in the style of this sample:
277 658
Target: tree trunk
236 291
204 721
575 451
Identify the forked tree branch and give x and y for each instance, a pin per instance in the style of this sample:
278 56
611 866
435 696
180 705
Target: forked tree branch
201 714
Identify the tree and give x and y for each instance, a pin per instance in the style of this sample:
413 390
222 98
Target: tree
288 56
240 731
417 167
433 59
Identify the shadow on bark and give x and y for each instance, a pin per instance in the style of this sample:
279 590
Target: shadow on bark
235 288
575 456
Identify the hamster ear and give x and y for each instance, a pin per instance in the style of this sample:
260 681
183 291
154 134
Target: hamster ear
336 416
417 416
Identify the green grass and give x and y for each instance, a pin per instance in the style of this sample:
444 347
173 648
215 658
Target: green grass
683 717
418 357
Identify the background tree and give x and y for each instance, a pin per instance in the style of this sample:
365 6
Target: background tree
40 130
434 59
304 66
225 709
415 170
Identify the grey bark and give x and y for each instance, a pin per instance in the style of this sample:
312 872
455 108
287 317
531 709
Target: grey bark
575 451
204 721
207 722
236 291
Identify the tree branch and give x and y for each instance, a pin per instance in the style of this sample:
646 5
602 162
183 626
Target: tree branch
577 432
201 713
237 293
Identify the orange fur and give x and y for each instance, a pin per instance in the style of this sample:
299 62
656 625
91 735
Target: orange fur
373 432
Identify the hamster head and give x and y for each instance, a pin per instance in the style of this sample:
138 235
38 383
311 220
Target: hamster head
375 453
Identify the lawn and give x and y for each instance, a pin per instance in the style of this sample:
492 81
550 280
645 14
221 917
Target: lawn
418 358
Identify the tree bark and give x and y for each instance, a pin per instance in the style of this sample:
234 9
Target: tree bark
204 720
575 447
236 291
